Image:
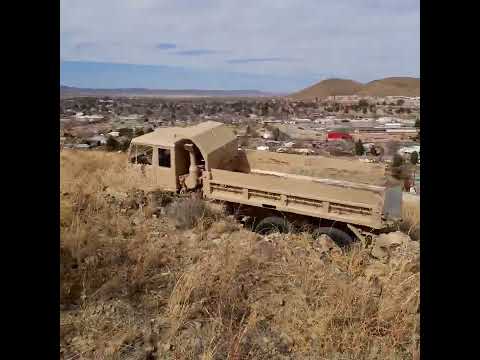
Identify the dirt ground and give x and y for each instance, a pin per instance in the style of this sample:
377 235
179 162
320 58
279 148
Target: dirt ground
147 276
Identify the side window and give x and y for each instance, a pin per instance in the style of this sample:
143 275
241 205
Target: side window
164 157
141 155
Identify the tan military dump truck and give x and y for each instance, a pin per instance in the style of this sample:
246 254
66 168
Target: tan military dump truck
342 198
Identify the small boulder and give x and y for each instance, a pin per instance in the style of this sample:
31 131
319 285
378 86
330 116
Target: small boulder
324 244
385 243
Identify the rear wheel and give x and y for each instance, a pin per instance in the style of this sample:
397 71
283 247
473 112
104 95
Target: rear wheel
340 237
272 224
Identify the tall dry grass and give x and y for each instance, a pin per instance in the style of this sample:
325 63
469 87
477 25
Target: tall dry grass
411 216
134 286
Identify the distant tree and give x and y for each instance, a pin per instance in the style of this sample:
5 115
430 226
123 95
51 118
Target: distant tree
359 149
125 144
112 144
364 110
400 102
397 161
384 103
276 133
363 103
417 123
414 158
244 141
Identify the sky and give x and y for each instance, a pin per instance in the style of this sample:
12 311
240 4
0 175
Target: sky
269 45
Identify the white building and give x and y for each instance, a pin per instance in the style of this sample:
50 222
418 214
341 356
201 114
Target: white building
393 125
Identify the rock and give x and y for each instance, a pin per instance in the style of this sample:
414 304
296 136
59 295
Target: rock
384 244
325 244
392 240
379 253
137 220
286 343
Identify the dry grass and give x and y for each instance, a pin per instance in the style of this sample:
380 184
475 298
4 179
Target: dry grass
135 287
411 217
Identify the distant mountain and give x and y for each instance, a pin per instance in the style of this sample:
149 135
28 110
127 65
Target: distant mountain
393 86
68 91
329 87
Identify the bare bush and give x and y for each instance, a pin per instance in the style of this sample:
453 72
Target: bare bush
187 213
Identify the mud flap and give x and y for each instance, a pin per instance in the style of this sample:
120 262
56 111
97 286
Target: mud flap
358 234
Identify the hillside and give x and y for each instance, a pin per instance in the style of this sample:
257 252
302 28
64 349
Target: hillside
393 86
157 276
329 87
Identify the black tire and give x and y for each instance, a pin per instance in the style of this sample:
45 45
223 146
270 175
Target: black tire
272 224
341 238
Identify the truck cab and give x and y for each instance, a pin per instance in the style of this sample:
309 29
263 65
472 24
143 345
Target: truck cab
175 157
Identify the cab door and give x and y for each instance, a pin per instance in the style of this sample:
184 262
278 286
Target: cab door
153 166
163 160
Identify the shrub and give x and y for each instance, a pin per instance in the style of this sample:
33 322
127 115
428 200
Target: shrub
359 149
397 160
112 144
363 103
414 158
125 145
187 213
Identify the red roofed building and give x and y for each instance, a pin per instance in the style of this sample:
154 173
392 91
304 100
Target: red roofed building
336 136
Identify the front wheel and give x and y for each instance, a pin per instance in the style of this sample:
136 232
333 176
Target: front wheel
341 238
272 224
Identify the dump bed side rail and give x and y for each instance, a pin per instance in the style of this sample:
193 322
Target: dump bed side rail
296 196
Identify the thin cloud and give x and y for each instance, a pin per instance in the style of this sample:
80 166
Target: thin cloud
257 60
85 45
197 52
166 46
362 40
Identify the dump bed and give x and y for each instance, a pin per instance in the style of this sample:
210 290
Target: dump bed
336 189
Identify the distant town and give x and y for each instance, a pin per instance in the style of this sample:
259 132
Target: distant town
329 126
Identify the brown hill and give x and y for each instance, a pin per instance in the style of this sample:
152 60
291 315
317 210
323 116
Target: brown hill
393 86
329 87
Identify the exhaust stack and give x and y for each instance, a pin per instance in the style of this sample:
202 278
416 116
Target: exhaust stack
193 172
